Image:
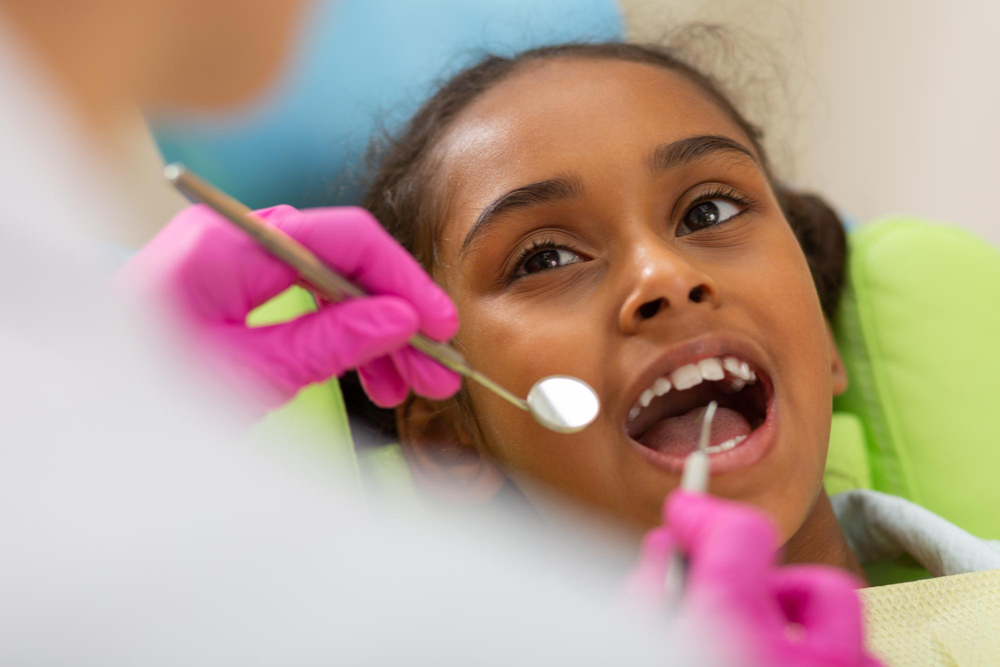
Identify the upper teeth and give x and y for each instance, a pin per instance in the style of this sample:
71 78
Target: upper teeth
711 369
735 371
659 388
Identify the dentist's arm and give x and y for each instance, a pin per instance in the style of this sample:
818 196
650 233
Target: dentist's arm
210 275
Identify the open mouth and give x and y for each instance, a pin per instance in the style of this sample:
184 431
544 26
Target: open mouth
666 418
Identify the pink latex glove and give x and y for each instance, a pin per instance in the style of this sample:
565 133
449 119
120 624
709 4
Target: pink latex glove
212 274
797 615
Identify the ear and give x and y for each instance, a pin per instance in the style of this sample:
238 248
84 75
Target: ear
837 370
444 452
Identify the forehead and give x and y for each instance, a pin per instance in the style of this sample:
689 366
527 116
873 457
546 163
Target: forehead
594 117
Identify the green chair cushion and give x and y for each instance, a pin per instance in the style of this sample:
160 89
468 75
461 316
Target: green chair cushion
916 329
847 465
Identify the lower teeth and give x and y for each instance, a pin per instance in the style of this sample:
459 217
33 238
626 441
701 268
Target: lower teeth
725 446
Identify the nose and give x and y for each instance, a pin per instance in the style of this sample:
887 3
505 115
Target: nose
666 284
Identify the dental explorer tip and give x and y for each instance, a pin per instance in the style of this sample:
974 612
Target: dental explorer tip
706 426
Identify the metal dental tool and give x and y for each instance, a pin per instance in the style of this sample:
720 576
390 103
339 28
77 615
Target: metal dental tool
560 403
695 479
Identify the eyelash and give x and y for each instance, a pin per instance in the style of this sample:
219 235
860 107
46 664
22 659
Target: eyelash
524 255
724 192
720 192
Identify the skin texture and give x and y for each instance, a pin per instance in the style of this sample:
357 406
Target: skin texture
596 122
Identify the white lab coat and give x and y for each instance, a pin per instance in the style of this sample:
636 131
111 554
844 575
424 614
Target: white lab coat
134 529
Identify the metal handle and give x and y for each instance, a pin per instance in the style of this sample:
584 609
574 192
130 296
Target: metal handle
327 282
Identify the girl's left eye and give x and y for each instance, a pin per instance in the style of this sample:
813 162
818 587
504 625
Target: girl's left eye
545 259
709 213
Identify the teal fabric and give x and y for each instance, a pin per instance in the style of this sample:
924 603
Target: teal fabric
362 65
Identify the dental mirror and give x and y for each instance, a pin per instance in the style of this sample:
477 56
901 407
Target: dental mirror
560 403
563 404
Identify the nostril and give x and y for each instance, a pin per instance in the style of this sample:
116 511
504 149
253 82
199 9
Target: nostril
650 308
697 294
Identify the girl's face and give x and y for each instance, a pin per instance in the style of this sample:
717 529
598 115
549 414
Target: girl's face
607 220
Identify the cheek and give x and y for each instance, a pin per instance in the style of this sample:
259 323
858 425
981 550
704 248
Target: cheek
517 346
798 329
785 310
549 327
779 296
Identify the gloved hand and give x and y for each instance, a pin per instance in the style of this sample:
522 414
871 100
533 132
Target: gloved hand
212 274
798 615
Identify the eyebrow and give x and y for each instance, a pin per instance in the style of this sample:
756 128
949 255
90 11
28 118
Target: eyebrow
663 158
534 194
684 151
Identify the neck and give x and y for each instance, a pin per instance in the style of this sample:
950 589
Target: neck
820 541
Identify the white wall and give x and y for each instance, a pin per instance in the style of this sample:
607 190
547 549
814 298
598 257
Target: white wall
883 106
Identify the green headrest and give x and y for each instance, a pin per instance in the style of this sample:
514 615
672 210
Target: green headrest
916 330
917 324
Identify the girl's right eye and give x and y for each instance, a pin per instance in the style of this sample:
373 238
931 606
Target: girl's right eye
537 260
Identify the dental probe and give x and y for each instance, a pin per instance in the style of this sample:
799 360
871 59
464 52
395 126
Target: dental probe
561 403
694 478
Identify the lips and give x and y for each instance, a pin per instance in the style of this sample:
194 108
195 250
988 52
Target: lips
664 421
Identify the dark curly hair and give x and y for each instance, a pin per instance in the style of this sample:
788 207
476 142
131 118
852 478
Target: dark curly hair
401 193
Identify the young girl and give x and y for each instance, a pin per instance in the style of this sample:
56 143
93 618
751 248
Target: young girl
604 211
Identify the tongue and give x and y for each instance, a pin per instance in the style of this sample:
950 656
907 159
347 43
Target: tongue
679 435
